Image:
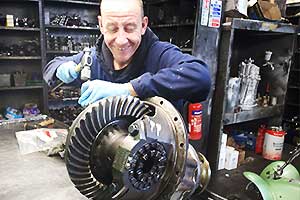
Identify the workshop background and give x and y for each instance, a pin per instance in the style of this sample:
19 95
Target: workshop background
253 53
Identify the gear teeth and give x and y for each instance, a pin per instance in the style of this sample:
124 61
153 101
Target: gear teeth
84 131
78 155
94 120
90 126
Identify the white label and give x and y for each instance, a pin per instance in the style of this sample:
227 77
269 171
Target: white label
215 13
205 12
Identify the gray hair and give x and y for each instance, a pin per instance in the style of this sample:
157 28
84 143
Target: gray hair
140 2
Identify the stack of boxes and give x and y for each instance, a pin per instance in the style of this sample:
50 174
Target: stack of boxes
228 157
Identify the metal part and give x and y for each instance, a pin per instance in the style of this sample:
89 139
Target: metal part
249 75
84 66
125 148
294 154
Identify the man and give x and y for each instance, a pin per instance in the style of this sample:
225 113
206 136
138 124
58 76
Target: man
130 60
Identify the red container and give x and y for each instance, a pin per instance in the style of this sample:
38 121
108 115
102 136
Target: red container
195 121
260 139
273 144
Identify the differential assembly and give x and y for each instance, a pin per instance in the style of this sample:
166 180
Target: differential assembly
124 148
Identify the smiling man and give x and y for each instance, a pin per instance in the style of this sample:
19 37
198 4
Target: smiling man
129 59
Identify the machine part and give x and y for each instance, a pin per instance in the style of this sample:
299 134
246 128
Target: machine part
279 180
124 148
249 75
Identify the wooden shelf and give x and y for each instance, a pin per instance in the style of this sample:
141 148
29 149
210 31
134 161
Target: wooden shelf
20 57
81 28
19 29
21 88
255 113
74 2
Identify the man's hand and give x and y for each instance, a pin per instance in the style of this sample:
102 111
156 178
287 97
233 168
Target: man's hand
92 91
66 72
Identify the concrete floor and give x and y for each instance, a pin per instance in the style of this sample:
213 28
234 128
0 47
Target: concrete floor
38 177
33 176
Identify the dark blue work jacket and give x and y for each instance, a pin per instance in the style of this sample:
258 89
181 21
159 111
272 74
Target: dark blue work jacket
157 69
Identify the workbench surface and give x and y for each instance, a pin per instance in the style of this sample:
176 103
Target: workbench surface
33 176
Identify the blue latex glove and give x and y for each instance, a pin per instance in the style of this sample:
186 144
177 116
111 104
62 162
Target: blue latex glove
66 72
95 90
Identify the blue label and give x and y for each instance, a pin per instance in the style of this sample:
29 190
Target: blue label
196 112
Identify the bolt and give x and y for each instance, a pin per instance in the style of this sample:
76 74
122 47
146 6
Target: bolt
133 129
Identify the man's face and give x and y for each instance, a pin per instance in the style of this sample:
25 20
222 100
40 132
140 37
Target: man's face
122 26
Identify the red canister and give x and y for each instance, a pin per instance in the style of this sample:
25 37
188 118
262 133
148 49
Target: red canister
195 121
273 143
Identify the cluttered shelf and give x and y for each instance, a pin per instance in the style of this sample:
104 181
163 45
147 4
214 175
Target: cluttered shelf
64 99
80 28
256 25
21 88
19 28
255 113
20 57
89 3
172 25
61 52
5 122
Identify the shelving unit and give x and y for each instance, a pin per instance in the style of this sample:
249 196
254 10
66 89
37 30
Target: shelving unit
29 61
255 114
173 21
292 107
244 39
68 39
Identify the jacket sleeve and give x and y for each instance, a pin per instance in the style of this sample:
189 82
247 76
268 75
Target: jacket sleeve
49 70
178 76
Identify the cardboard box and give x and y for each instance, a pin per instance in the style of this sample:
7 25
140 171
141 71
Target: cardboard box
231 159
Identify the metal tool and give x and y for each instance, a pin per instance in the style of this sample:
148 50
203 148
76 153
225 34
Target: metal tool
123 148
293 154
84 67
